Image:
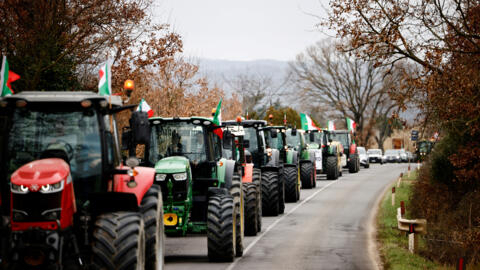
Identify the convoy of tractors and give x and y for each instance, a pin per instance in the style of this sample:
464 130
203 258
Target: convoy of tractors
75 196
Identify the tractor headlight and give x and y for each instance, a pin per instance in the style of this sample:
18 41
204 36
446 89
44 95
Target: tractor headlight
180 176
52 188
160 177
20 189
269 152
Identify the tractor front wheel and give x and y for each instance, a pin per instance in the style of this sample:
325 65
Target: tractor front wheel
256 179
291 182
332 168
306 175
270 194
251 208
119 241
237 194
152 210
221 228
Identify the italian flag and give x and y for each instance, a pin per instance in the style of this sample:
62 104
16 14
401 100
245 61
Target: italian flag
351 125
105 79
307 122
217 120
331 125
6 78
144 107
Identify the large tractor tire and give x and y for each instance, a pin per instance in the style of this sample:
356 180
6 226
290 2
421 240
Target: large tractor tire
307 175
152 210
332 168
119 241
291 183
251 208
270 194
352 165
256 179
221 228
237 194
281 193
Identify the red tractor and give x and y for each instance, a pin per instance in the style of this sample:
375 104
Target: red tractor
68 200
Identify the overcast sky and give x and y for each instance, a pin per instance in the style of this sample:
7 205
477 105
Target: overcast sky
243 29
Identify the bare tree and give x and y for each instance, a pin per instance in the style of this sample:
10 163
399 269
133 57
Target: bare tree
344 86
257 91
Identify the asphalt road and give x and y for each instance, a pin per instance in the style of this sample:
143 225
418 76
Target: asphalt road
329 228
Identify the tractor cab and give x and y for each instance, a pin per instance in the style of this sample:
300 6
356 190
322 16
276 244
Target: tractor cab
276 139
61 171
188 157
345 137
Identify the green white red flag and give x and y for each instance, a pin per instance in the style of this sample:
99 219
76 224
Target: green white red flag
351 125
217 120
6 78
144 107
331 125
105 79
307 122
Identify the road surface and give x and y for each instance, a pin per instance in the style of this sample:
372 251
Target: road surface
329 228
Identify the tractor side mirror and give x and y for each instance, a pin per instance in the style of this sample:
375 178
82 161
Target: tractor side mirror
126 138
132 162
312 137
227 139
294 132
246 143
273 133
140 127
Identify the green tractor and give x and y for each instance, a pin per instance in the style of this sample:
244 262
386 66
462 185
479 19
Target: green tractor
350 151
267 170
201 188
306 157
276 138
251 190
328 154
422 149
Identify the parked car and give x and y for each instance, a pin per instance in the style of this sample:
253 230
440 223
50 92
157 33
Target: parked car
392 155
403 155
375 155
363 155
410 156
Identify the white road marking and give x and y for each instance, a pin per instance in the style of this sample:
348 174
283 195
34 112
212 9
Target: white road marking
233 264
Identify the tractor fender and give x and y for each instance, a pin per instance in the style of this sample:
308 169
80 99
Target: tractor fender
143 181
270 169
274 159
290 165
217 190
230 168
353 148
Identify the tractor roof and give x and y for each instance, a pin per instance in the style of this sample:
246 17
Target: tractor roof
247 123
62 96
278 127
194 119
236 130
340 131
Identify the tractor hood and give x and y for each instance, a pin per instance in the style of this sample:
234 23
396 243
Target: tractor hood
41 172
172 165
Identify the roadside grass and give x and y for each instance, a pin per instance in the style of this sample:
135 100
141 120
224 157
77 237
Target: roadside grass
393 244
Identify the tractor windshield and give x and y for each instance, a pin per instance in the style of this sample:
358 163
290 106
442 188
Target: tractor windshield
251 135
177 139
71 135
275 143
339 137
294 141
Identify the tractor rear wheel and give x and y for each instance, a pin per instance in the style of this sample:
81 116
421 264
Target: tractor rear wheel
237 194
251 208
221 228
291 178
332 168
256 179
306 175
119 241
281 193
270 193
152 210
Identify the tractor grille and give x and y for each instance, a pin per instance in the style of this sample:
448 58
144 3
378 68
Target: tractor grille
36 206
179 188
